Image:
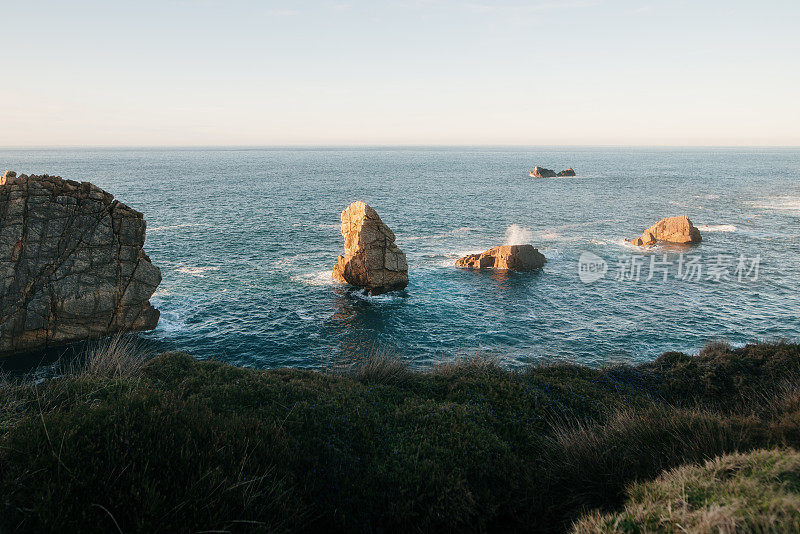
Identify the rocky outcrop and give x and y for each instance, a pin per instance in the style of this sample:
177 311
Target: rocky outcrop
71 264
679 230
541 172
506 257
371 259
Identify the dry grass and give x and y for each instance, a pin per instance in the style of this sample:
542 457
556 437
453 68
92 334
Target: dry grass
379 366
597 460
117 357
473 364
754 492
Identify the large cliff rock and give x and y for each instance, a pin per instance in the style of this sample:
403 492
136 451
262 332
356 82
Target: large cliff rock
679 230
505 257
71 264
371 259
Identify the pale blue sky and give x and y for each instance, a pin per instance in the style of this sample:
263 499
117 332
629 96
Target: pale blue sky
239 72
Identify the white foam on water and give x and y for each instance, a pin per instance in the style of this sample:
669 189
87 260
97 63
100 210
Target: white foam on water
195 271
176 226
385 297
319 278
549 236
782 203
716 227
169 320
518 235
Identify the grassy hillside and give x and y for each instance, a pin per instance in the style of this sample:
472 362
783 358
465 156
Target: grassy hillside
184 446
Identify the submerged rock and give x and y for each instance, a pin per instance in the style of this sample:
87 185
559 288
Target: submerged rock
371 259
541 172
71 264
567 172
506 257
678 230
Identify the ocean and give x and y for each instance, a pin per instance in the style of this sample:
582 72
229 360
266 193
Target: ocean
246 239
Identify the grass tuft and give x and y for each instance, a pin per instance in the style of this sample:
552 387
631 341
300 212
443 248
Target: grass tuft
117 357
754 492
380 367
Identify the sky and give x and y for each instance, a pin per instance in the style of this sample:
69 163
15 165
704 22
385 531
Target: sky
399 72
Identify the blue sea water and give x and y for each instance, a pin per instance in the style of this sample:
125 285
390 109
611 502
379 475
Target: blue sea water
246 239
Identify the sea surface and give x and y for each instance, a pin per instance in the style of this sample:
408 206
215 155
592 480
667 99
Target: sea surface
246 239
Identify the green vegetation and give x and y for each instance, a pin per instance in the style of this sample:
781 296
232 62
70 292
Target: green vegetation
178 445
754 492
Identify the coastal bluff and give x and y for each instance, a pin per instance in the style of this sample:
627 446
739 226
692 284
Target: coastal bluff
371 259
72 264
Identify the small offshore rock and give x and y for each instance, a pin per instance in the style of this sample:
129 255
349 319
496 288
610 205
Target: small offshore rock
371 259
678 230
541 172
567 172
505 257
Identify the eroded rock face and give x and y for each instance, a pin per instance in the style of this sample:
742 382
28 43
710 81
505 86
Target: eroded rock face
506 257
541 172
71 264
679 230
371 259
567 172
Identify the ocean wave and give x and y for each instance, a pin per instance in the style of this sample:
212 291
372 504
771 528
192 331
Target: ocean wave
686 205
783 203
361 294
170 320
549 236
195 271
716 227
319 278
455 232
176 226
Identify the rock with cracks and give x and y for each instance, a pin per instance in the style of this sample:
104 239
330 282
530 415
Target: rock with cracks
678 230
505 257
371 259
71 264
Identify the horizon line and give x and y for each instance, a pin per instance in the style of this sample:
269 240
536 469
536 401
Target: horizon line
383 145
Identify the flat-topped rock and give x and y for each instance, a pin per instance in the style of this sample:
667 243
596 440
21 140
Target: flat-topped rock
72 265
371 259
505 257
678 230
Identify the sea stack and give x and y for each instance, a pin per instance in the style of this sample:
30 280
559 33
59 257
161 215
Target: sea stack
72 265
371 259
678 230
505 257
